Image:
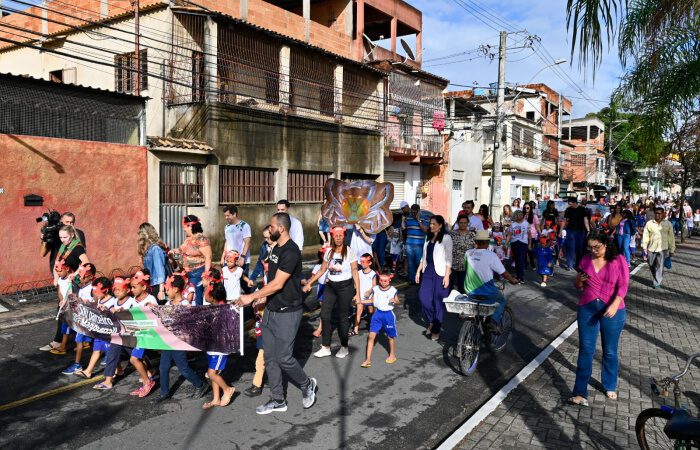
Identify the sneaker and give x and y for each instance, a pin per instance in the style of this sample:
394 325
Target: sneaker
543 284
104 362
70 370
200 391
324 351
253 391
342 353
271 406
50 346
161 398
310 393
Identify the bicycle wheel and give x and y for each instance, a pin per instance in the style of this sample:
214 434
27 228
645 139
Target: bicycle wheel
468 346
649 428
498 341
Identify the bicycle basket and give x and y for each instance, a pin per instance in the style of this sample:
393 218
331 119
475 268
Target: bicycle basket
463 305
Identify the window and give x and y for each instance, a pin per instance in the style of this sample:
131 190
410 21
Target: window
306 186
578 160
181 184
530 115
457 176
312 82
66 76
246 185
197 76
125 73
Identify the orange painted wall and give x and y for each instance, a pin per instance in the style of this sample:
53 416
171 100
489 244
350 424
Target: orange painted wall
104 185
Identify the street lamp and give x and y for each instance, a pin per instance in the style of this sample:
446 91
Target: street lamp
556 63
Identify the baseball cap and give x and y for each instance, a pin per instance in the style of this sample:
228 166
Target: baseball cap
403 204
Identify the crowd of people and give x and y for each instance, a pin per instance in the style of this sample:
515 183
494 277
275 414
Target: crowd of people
354 282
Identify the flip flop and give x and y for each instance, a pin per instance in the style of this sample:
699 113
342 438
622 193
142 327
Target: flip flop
56 351
102 387
209 405
366 365
612 395
146 389
226 399
582 402
390 361
81 373
352 333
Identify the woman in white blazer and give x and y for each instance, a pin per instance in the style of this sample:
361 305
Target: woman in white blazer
435 268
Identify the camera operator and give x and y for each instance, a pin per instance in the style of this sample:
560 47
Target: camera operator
50 242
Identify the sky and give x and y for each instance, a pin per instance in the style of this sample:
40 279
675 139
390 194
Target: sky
454 26
451 26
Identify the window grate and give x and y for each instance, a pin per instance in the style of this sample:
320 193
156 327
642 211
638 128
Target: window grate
125 75
181 184
306 186
246 185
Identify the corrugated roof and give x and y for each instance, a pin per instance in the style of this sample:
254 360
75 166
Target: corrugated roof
69 86
175 143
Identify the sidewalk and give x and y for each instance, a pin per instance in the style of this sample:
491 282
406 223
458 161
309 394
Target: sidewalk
662 330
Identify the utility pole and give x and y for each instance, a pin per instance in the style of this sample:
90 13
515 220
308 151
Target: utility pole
558 143
497 165
137 53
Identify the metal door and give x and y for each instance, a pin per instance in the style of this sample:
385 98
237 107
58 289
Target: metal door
171 224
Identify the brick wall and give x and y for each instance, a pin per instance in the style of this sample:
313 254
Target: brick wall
103 184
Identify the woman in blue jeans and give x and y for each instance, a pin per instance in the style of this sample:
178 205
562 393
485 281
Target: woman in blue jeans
604 278
624 232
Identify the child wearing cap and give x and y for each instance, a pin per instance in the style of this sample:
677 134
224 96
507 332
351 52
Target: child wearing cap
368 279
232 275
383 297
544 255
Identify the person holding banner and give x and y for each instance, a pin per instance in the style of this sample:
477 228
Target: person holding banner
282 317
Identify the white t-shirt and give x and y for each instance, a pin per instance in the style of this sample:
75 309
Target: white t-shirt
381 298
182 303
366 280
232 282
340 269
148 301
107 303
481 263
128 304
322 279
359 245
519 231
297 232
85 293
63 285
235 236
396 244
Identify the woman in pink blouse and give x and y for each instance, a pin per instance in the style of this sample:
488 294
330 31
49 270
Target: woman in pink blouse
604 277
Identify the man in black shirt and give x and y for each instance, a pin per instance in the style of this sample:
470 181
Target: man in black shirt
282 317
577 226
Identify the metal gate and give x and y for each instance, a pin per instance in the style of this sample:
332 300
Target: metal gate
398 179
171 224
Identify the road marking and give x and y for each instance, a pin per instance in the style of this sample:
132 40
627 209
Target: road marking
51 393
636 269
490 406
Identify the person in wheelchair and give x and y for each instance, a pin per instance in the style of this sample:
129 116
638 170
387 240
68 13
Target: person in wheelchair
481 264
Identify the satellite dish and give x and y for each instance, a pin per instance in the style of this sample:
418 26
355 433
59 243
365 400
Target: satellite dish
369 44
407 49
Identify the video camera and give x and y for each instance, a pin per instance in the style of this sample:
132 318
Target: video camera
49 232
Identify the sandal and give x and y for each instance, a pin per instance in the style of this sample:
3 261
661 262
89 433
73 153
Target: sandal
612 395
209 405
390 361
226 398
57 351
81 373
102 387
580 402
352 333
366 365
146 389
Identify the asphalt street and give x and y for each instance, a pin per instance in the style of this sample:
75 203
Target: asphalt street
414 403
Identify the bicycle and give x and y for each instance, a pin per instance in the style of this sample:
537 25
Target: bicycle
668 427
474 313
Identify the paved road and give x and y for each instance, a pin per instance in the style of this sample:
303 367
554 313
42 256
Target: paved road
660 333
414 403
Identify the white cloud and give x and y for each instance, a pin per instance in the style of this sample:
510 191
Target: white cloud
448 29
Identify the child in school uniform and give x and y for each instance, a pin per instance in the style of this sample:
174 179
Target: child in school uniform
82 284
233 275
103 299
395 247
222 392
383 297
63 282
368 279
545 256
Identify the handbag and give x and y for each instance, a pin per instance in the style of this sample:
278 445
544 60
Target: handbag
668 263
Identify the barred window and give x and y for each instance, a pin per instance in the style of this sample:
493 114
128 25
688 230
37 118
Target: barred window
306 186
246 185
578 159
125 75
181 184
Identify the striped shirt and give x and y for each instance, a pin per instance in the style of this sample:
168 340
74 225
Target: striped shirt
414 234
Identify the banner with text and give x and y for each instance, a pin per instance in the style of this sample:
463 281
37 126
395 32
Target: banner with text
215 328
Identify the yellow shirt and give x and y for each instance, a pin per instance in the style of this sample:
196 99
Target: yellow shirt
659 236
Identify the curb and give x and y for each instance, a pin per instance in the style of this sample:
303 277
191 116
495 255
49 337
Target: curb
21 322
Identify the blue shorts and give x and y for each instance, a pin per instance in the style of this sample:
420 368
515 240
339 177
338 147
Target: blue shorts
383 320
101 346
65 329
82 338
217 362
395 257
319 292
137 352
